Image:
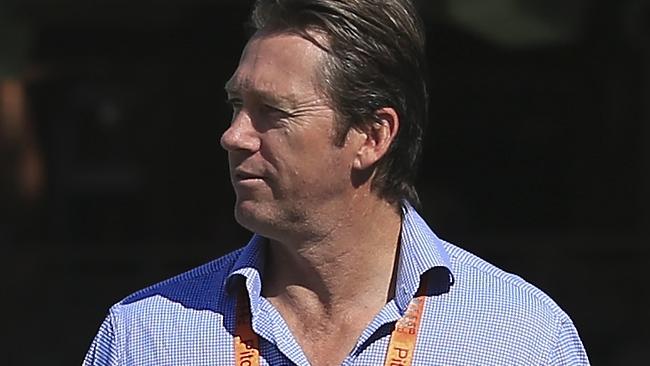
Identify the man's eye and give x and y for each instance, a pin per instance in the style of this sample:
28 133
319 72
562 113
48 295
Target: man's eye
234 103
275 110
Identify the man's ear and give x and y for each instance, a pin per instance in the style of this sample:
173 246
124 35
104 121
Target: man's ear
377 137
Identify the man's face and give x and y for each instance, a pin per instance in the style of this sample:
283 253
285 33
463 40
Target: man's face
284 165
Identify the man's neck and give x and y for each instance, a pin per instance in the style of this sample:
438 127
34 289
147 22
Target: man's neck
350 269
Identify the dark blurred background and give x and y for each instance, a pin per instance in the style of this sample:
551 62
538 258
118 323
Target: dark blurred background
537 155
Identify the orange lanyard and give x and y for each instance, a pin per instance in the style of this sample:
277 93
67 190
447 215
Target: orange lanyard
402 340
400 349
247 343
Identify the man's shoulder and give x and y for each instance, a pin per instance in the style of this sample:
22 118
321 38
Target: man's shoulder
199 288
494 289
488 309
188 313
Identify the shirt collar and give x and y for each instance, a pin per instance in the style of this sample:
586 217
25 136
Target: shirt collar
421 251
247 269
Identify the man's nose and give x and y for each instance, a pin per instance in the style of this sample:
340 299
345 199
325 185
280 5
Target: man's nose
241 135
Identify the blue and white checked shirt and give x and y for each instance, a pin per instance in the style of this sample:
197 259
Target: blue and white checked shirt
475 314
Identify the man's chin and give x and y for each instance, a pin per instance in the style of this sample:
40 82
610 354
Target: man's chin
252 215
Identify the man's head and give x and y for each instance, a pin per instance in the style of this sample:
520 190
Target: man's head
328 106
374 59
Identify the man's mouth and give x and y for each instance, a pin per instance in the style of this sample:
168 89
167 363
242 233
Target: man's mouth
245 176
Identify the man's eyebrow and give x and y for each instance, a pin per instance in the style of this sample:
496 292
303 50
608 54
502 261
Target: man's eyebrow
238 87
233 86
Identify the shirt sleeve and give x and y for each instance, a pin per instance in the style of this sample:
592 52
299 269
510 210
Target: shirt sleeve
568 349
103 350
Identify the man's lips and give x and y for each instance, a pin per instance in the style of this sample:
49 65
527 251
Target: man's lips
243 175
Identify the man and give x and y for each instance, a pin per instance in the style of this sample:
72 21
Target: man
328 112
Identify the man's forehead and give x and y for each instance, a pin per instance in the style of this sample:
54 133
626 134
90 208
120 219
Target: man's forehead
277 64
